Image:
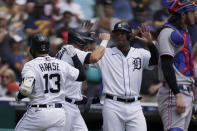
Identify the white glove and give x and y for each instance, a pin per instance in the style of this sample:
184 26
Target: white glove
70 50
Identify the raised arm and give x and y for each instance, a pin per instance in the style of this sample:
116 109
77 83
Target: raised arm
146 37
77 64
98 53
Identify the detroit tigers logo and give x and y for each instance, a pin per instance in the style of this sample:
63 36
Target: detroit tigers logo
136 63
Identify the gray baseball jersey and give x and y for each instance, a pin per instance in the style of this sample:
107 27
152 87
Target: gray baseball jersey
166 99
166 47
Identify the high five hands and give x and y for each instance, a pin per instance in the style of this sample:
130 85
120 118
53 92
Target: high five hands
145 36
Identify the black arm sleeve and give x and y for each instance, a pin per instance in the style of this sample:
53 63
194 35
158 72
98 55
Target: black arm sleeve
169 73
79 66
87 59
154 55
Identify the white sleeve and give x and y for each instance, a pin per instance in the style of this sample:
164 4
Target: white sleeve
165 47
71 72
28 71
81 55
146 58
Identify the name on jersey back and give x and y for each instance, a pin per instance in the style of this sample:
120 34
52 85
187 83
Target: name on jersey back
49 66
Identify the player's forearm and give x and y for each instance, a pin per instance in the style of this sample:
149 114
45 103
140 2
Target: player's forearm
154 55
169 73
98 53
79 66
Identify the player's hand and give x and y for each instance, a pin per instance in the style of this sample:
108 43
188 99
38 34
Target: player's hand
70 50
16 97
146 36
87 24
104 36
180 104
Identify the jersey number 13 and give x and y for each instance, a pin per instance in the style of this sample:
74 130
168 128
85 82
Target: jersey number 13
48 77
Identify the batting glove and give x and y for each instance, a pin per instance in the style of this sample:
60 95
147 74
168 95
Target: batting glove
70 50
16 97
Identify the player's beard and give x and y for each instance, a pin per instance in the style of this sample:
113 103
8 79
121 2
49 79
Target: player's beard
190 20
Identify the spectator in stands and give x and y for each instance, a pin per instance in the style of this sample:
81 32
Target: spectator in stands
12 89
105 24
8 8
16 59
193 31
141 14
154 5
7 77
63 32
56 18
75 9
37 22
16 23
160 17
87 7
150 85
135 3
30 5
122 9
5 38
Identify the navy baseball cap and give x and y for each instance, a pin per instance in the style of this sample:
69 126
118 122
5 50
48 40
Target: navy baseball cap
179 6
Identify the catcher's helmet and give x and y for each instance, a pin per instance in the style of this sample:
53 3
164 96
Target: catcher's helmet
179 6
39 44
75 37
124 26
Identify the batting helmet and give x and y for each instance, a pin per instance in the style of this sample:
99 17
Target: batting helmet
75 37
86 34
179 6
124 26
39 44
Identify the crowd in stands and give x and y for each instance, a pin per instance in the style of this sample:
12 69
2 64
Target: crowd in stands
20 19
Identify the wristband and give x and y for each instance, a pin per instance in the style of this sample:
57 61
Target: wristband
104 43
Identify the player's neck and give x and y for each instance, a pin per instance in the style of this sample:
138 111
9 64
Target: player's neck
124 48
42 55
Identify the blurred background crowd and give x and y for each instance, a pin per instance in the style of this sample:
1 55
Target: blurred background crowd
20 19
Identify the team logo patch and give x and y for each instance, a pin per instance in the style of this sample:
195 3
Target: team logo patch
119 25
136 63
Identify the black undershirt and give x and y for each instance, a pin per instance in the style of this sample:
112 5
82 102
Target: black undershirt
154 55
169 73
79 66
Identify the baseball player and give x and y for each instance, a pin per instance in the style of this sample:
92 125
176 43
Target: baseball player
44 78
78 39
121 69
175 98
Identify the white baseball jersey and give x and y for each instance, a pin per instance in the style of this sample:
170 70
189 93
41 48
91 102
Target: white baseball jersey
50 76
73 88
122 75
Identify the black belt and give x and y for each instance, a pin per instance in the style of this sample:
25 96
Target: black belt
56 105
128 100
75 102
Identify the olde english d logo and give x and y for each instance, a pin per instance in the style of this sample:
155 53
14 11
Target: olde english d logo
136 63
